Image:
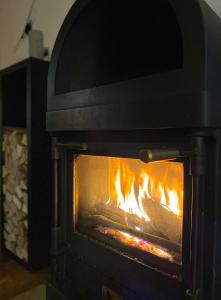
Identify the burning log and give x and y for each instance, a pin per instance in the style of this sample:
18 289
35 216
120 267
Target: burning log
163 224
169 224
95 221
126 219
15 203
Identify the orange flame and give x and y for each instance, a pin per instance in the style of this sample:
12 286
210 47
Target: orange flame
130 186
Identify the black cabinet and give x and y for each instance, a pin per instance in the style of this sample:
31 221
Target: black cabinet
23 108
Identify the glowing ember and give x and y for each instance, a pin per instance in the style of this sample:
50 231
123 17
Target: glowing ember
136 242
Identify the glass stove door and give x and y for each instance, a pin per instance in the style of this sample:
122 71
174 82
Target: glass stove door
137 205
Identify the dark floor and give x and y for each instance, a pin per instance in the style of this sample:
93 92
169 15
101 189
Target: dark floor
15 279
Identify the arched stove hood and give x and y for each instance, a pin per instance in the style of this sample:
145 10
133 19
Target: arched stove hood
121 65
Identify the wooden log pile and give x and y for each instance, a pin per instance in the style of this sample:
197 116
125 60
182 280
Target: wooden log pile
15 194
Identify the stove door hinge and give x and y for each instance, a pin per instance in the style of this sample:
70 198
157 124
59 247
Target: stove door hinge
192 295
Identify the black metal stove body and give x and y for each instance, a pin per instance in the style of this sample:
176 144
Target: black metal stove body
114 94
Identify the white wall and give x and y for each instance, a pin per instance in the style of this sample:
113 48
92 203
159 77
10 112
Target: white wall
216 5
48 16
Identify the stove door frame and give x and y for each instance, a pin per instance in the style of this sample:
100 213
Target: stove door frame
83 251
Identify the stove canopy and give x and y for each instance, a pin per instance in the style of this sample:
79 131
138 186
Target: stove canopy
131 65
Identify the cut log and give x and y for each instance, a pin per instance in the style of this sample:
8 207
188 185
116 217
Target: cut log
24 208
23 185
18 191
8 197
20 215
12 209
5 171
24 140
26 224
19 150
164 220
17 202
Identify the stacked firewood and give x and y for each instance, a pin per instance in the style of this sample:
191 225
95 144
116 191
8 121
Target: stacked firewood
15 196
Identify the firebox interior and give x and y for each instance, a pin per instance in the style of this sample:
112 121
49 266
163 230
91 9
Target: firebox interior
138 206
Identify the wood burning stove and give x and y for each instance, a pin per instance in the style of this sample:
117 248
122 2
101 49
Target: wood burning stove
136 146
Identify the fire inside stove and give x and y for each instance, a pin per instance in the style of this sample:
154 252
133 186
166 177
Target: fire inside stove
136 205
